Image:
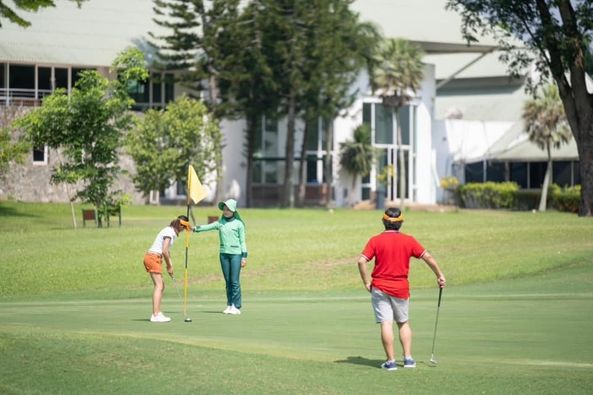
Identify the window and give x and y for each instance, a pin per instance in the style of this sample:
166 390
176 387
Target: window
157 95
40 155
562 173
76 74
2 76
61 76
169 88
267 167
495 172
518 173
474 172
139 91
404 118
537 171
383 125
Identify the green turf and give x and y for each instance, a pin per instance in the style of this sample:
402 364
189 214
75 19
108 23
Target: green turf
516 318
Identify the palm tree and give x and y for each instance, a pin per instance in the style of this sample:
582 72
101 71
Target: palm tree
397 76
547 127
357 156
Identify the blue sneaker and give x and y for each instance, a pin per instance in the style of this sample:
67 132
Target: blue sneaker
389 365
409 363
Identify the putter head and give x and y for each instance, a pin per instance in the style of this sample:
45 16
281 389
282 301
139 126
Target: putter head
432 360
187 319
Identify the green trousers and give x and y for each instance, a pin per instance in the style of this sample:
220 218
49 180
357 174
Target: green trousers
231 269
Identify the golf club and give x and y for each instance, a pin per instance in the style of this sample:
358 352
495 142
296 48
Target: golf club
434 336
187 319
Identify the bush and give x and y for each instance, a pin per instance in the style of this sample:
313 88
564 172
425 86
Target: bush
566 199
488 195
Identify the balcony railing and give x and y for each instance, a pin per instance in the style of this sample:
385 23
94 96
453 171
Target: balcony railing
25 97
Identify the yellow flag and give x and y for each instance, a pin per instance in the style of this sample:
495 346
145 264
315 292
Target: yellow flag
195 190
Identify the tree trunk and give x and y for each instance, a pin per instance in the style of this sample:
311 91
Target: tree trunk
585 148
401 163
302 168
288 195
250 132
327 163
578 103
544 195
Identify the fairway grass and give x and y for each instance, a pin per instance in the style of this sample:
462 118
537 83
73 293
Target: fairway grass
515 318
524 336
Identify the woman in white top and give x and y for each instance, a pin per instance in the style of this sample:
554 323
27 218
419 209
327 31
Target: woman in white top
153 262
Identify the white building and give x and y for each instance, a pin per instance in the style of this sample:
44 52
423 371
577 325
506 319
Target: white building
466 103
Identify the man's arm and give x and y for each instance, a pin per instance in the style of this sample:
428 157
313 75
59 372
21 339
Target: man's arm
364 275
434 266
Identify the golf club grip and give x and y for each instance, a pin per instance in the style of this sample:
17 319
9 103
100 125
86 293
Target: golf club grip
440 294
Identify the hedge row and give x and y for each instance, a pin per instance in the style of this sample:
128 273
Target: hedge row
507 195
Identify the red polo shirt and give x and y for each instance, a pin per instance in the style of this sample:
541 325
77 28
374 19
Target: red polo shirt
392 251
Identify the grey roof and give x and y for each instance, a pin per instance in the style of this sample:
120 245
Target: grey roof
514 145
88 36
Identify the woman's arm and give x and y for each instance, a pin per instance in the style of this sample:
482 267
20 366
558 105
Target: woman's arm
243 245
206 228
167 255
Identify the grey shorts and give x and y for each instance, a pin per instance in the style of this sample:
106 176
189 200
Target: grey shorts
389 308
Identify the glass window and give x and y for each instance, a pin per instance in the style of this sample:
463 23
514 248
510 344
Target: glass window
366 113
495 172
40 155
474 172
270 139
157 95
383 125
22 77
44 78
404 117
537 171
257 172
271 170
139 91
76 74
518 173
61 76
2 76
312 169
181 188
561 173
169 88
577 173
312 136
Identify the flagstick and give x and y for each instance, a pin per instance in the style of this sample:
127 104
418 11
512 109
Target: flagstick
185 273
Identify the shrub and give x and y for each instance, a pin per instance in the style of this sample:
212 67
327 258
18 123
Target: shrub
488 195
566 199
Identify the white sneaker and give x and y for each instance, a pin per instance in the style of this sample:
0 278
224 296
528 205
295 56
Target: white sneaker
159 317
227 310
234 311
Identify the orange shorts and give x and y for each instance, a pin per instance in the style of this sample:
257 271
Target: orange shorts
153 263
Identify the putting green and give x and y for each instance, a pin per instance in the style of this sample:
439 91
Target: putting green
528 335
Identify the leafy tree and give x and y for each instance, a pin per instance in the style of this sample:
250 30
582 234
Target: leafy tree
200 39
12 148
10 13
555 36
339 46
164 143
547 127
397 77
87 126
357 156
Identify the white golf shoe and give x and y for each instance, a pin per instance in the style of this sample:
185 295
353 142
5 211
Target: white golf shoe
159 317
227 310
234 311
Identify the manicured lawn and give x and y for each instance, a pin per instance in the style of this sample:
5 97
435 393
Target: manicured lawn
74 304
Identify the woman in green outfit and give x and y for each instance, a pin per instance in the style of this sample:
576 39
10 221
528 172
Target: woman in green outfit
233 251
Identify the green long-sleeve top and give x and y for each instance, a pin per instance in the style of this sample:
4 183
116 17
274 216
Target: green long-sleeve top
231 233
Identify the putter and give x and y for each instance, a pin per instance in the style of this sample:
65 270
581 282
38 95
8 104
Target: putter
434 336
187 319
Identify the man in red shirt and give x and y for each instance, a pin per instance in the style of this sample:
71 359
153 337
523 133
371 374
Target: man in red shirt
389 285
